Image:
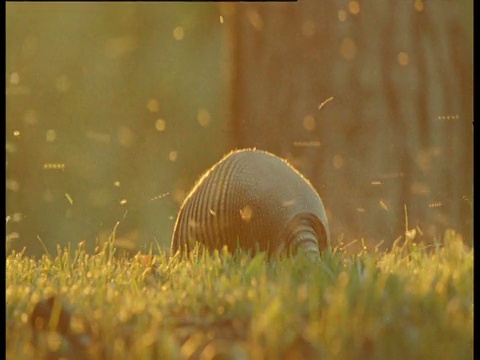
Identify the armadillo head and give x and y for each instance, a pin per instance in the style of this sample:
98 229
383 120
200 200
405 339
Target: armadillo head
306 233
304 239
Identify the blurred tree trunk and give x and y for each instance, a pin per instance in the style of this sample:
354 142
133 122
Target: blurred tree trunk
371 100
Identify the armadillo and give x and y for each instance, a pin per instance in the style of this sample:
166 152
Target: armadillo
254 200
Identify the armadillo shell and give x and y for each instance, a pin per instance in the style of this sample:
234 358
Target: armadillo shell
250 199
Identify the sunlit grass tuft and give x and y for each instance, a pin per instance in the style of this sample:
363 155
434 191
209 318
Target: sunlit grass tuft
412 302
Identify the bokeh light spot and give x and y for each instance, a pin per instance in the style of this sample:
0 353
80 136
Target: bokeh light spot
153 105
309 123
12 185
419 5
338 161
342 15
125 136
178 33
204 117
354 7
160 125
255 19
14 78
172 156
51 135
402 58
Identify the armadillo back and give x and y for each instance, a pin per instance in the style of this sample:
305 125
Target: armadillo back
250 199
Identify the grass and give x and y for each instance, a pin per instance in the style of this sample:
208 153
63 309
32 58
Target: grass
411 302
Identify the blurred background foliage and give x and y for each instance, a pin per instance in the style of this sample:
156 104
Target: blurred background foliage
113 110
